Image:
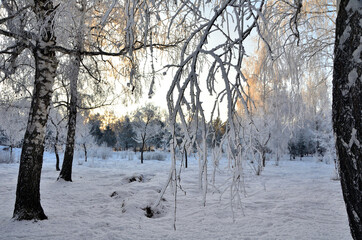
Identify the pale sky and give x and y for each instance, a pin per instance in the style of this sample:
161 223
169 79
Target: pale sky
162 85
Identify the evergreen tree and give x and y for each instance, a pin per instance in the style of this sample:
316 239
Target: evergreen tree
109 137
125 134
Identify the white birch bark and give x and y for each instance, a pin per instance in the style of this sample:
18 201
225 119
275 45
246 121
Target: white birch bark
27 203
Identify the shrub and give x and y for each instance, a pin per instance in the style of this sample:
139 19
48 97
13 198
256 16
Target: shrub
100 152
126 155
302 144
130 156
5 156
160 156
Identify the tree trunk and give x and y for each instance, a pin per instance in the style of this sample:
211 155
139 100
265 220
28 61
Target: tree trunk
277 157
264 149
57 168
66 172
11 154
85 152
347 105
143 145
56 151
185 152
27 203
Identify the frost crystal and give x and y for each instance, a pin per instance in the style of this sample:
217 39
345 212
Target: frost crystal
355 215
354 139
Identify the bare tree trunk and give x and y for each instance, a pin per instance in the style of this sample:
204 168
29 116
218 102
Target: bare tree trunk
263 157
347 105
143 145
185 152
57 168
66 172
56 151
85 152
57 158
263 151
11 153
55 145
27 203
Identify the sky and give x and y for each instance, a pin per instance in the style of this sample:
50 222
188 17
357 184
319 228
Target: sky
163 81
162 85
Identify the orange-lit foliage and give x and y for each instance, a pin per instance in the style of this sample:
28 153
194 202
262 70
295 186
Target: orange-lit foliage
315 26
255 87
107 119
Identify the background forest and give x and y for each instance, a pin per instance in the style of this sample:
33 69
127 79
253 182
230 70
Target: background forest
287 94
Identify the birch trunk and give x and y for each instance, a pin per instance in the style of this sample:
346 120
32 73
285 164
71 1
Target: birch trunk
27 203
347 105
56 151
66 172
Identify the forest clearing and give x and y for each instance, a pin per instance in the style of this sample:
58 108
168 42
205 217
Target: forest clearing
295 200
182 119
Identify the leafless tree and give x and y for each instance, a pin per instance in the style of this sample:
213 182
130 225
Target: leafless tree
40 39
146 126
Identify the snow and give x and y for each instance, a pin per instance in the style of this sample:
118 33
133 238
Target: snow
354 139
352 77
295 200
354 5
345 35
357 53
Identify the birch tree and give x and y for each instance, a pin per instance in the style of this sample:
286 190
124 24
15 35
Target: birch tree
75 62
299 68
56 126
231 22
347 105
124 30
12 125
225 64
40 41
146 126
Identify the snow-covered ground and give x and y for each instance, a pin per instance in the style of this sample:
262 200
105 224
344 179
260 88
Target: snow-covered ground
296 200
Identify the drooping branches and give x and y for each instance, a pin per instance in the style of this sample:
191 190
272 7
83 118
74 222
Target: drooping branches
211 58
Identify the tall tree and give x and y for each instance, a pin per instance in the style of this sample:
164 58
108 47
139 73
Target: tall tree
13 119
124 134
27 203
56 136
146 126
66 172
216 42
138 29
347 105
